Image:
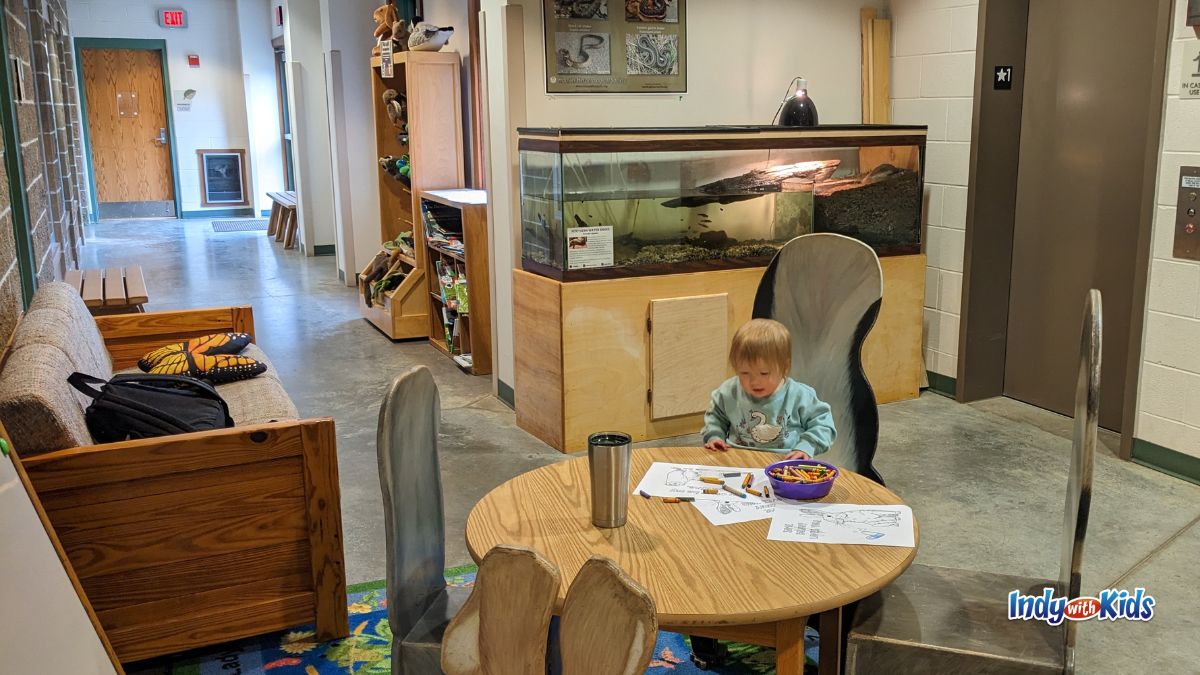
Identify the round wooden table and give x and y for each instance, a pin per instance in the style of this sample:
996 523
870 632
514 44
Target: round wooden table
727 582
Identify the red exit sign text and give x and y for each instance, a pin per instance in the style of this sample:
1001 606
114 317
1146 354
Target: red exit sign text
172 18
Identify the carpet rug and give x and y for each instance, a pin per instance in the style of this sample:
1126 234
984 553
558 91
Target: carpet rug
256 225
368 649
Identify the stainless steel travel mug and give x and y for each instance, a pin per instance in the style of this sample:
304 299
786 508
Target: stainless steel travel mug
608 462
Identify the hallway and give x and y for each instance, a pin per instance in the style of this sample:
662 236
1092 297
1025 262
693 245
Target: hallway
996 508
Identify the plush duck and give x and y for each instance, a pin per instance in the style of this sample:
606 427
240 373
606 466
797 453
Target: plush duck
762 432
427 37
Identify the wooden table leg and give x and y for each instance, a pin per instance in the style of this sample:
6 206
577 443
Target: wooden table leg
789 646
831 642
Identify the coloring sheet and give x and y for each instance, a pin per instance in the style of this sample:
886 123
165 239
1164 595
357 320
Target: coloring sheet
734 511
875 524
683 480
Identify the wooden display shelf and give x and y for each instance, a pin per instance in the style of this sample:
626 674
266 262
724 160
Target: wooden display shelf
474 334
431 85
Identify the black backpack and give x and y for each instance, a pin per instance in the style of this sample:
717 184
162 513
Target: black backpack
146 406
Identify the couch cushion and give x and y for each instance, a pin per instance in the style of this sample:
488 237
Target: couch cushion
82 340
41 412
58 329
257 400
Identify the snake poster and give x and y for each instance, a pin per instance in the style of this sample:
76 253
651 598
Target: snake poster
615 46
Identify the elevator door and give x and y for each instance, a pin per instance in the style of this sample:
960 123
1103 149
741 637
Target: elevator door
1088 103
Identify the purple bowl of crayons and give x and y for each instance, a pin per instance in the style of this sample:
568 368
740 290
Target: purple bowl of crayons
801 478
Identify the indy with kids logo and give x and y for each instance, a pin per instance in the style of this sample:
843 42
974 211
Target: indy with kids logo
1110 605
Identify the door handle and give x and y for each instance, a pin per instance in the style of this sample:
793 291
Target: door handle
162 137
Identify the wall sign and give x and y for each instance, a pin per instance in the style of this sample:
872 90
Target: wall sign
172 18
1189 69
222 177
615 46
1003 78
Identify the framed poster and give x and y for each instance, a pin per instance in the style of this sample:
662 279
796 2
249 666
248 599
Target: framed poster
615 46
223 178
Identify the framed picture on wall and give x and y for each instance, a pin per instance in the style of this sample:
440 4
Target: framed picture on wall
223 178
615 47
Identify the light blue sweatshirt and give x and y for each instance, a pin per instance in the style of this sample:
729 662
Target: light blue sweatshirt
792 418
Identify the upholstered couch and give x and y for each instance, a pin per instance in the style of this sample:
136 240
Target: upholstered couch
179 541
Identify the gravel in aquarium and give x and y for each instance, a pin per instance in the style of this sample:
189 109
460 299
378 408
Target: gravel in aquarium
885 212
657 254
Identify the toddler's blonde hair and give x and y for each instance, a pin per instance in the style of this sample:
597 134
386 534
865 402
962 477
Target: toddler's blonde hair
763 340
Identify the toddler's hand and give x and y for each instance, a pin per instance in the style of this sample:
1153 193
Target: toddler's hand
717 444
797 454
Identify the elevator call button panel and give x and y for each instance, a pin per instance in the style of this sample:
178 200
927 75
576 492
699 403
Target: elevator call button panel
1187 224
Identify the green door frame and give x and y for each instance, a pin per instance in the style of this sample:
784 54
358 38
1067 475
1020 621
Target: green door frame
159 46
26 265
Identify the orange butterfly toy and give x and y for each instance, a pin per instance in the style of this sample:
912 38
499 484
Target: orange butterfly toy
211 357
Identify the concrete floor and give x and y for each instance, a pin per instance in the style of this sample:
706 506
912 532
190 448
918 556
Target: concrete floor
986 480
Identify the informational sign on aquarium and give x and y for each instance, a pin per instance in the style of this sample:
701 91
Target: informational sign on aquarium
589 247
615 46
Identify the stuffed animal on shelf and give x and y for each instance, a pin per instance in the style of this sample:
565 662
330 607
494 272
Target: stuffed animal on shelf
400 35
427 37
395 104
385 18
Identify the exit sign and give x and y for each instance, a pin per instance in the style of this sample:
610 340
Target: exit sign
172 18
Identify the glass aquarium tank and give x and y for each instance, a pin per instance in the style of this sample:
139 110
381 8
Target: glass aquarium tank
599 203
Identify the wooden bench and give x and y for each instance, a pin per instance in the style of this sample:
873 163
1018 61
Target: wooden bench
282 225
115 290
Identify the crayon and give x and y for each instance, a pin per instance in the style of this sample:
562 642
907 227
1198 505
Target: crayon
687 499
644 494
713 480
711 491
766 491
754 492
747 480
732 490
671 500
735 474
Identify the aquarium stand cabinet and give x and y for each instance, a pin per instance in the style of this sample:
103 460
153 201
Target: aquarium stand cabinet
425 123
457 269
642 251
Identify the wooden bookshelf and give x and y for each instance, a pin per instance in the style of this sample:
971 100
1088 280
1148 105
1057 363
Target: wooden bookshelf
431 84
464 213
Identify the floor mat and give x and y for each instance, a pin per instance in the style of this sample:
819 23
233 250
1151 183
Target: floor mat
256 225
368 649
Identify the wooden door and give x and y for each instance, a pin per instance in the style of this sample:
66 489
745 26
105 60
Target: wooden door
689 343
127 124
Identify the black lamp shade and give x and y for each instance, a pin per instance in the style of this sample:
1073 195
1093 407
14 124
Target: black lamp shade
798 111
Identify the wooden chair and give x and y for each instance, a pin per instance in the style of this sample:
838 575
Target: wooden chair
936 619
609 625
503 628
827 290
419 604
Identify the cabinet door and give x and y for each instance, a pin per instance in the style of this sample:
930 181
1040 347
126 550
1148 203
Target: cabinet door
689 342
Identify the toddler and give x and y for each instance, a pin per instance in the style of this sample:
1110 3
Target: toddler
761 407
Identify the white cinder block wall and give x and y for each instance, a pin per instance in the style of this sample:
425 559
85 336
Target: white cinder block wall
217 119
1169 389
933 73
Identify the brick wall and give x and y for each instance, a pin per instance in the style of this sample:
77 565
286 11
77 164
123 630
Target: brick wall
933 78
41 64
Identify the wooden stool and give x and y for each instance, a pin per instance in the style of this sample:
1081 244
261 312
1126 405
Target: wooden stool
282 224
116 290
